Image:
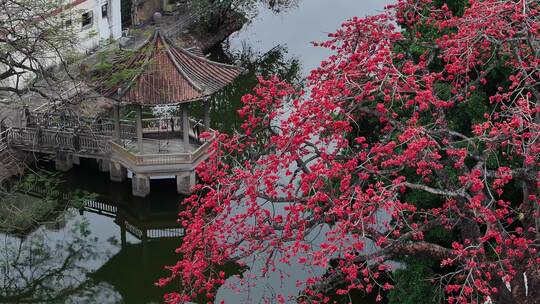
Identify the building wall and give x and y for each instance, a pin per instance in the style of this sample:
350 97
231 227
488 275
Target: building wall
102 27
91 36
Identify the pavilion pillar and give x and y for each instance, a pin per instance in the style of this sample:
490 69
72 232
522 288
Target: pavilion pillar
206 119
116 113
140 185
140 144
185 126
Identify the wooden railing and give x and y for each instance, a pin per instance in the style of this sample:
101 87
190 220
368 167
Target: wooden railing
92 144
92 137
100 207
152 233
37 190
134 230
110 210
164 233
104 126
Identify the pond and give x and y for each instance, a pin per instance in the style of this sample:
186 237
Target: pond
114 248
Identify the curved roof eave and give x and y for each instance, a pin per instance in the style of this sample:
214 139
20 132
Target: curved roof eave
198 85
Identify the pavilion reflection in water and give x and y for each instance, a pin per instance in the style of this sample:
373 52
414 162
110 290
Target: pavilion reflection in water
146 230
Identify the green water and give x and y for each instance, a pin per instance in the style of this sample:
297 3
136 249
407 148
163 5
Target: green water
108 254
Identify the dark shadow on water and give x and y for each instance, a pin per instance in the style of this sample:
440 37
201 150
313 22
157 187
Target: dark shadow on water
146 230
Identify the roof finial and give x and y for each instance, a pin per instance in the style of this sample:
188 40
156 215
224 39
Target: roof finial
157 19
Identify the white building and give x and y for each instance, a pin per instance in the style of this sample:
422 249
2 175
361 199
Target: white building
96 21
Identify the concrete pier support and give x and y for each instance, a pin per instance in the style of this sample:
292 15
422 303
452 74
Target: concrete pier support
185 181
117 172
140 185
63 161
104 165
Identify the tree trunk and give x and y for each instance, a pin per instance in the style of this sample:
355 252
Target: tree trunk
520 292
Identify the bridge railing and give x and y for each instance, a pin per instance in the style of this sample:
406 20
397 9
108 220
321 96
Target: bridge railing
3 140
61 120
104 126
165 233
100 207
44 139
93 144
37 190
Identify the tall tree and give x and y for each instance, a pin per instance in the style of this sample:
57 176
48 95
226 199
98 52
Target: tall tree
403 132
34 36
218 12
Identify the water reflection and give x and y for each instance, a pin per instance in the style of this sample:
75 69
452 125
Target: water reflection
225 103
52 266
144 230
115 246
297 27
111 250
280 6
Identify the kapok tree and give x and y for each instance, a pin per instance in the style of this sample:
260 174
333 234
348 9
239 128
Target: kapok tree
432 125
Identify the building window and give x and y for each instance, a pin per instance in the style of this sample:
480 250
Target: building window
104 9
67 23
87 19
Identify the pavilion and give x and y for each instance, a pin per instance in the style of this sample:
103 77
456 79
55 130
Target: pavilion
156 74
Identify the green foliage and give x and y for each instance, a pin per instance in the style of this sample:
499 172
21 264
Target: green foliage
37 198
228 100
441 236
217 13
114 67
78 198
457 7
72 57
30 46
412 285
465 114
42 183
123 75
422 199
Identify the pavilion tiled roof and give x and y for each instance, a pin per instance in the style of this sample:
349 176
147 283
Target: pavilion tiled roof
161 73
